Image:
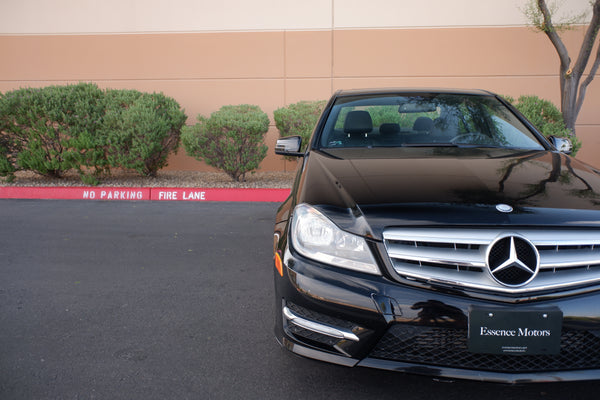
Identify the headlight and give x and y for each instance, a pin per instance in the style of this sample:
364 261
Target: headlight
316 237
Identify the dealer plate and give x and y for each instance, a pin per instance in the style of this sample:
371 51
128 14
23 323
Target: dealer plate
515 332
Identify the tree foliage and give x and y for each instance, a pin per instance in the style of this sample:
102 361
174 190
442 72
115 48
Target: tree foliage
573 87
231 139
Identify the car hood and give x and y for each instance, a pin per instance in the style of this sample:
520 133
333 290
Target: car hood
366 190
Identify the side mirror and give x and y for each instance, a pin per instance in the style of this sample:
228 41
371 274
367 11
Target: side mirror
289 146
562 144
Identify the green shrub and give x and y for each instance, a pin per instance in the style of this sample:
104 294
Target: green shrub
141 130
53 129
546 117
59 128
298 119
7 168
231 139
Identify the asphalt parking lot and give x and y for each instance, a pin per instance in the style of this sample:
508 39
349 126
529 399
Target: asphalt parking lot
164 300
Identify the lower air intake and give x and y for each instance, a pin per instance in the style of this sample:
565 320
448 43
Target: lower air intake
448 348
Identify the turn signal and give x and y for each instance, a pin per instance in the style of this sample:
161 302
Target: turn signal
278 264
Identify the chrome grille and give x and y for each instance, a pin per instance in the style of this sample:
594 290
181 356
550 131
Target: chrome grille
457 257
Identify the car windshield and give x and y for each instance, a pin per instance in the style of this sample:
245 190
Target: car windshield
425 120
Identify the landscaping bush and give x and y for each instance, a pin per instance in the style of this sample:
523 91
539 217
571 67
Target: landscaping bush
298 119
141 130
546 117
231 139
53 129
7 168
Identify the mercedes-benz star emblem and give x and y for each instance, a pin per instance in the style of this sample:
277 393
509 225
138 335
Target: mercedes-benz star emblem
513 260
505 208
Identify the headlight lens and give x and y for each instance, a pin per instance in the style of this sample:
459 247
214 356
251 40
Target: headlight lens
316 237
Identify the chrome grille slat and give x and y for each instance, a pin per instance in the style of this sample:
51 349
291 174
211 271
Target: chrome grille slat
458 257
462 236
565 259
439 256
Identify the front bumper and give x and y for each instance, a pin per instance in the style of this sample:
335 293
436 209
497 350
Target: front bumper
355 319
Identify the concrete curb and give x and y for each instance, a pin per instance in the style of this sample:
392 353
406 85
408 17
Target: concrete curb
145 193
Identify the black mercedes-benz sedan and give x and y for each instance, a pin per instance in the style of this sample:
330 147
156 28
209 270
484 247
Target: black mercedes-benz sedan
437 232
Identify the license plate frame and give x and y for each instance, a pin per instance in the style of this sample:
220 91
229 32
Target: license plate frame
515 332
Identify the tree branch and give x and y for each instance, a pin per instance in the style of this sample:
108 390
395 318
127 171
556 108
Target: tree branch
586 82
550 31
588 41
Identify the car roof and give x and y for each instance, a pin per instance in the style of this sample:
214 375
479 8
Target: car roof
400 91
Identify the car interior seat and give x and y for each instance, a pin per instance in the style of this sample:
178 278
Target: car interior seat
357 126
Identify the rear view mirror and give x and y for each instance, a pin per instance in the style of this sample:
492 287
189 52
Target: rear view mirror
289 146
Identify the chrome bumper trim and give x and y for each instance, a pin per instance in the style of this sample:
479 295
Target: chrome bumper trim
317 327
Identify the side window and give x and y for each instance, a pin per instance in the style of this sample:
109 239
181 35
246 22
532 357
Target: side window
510 135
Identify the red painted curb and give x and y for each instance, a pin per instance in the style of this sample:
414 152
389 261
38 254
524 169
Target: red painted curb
218 194
130 193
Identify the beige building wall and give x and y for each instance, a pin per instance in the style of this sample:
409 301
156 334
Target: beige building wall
271 53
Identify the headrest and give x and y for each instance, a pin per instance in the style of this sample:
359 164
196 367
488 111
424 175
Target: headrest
423 124
389 129
358 122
